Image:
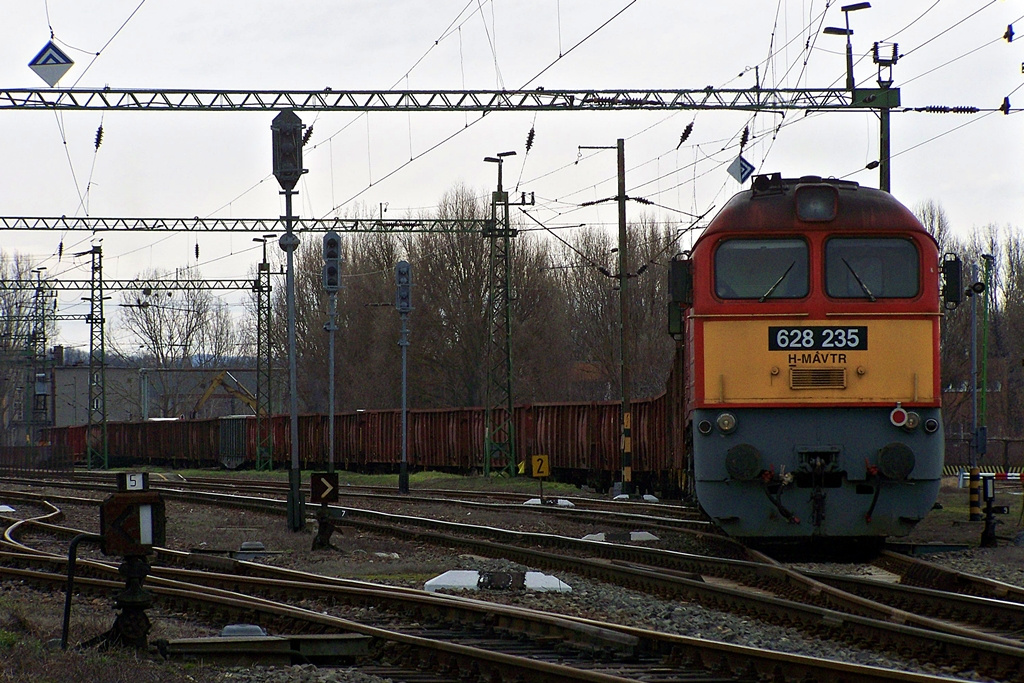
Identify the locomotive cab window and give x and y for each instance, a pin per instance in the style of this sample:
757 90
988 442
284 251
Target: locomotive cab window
761 269
871 268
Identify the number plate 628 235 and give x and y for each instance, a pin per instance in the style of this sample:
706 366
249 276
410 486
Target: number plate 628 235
815 338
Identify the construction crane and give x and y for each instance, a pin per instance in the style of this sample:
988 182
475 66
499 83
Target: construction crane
235 389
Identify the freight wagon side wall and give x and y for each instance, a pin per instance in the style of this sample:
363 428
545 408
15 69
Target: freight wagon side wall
69 440
573 436
449 440
581 440
176 443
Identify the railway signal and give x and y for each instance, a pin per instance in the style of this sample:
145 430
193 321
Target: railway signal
332 262
286 143
403 287
988 535
287 146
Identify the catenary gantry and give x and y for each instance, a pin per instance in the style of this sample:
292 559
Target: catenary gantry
328 99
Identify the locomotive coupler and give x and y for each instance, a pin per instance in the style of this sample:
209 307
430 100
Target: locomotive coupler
818 491
777 483
875 480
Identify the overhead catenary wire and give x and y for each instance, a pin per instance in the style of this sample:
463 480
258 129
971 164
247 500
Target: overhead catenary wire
947 30
482 117
755 138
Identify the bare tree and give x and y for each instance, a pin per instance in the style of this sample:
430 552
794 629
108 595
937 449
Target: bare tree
368 365
173 330
586 276
651 348
450 272
542 351
933 217
590 280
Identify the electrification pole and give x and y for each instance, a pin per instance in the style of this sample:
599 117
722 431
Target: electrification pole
627 439
96 445
884 98
39 380
983 410
974 366
499 426
264 374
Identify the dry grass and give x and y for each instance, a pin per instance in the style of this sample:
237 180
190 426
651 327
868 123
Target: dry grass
30 629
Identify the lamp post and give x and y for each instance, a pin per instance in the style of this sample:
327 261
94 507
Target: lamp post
887 99
832 30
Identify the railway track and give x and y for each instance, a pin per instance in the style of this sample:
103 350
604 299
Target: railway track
759 588
467 639
618 513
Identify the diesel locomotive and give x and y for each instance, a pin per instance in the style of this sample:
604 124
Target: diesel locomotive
808 314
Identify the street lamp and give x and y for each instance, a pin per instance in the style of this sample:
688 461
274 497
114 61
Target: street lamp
833 31
499 159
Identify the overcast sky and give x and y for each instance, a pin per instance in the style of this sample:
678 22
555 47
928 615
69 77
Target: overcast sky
218 164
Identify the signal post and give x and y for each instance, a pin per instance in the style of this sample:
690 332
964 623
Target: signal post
403 304
132 521
286 137
323 486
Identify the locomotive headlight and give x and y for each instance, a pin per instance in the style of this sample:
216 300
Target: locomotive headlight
913 420
896 461
816 203
743 462
726 423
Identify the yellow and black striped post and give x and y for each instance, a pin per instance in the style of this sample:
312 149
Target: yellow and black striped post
975 494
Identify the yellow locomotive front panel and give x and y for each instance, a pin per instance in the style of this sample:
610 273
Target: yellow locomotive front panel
792 360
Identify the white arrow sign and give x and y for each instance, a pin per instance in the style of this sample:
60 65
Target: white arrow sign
51 64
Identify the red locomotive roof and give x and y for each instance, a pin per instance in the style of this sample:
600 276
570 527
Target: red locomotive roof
770 206
814 210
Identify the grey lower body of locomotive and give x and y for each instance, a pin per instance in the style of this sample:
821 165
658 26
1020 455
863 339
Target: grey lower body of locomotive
827 472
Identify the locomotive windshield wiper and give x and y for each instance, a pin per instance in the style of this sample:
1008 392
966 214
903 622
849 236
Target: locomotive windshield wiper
871 297
777 283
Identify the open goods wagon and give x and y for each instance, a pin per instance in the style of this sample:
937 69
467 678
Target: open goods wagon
582 441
